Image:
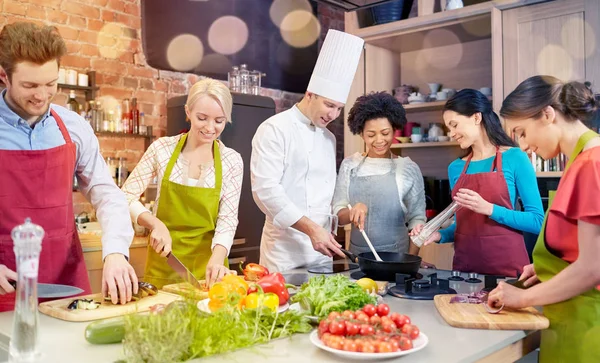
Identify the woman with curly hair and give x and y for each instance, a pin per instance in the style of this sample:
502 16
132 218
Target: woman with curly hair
385 191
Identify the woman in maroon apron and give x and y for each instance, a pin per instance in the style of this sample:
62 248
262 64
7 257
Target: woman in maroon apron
546 115
487 233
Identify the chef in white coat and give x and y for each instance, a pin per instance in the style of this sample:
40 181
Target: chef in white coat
293 163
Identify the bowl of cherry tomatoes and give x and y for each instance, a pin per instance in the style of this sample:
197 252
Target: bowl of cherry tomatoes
372 332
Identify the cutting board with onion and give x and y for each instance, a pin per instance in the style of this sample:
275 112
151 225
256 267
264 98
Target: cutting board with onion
475 316
58 308
186 289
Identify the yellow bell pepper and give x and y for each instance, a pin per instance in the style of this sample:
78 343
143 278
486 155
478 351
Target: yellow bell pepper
256 300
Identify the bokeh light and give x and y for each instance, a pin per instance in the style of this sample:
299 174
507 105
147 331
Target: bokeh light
214 63
185 52
300 29
281 8
554 60
228 35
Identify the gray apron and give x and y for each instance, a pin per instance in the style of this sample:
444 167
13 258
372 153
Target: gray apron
385 224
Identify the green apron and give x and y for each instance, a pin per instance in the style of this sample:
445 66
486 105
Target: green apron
190 214
574 332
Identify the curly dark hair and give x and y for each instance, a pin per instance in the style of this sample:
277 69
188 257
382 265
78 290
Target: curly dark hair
373 106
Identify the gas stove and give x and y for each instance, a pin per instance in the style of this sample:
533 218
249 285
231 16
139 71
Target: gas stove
435 282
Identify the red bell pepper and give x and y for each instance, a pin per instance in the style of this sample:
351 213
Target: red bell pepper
274 283
254 272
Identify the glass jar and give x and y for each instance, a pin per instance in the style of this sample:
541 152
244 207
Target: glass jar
121 171
112 167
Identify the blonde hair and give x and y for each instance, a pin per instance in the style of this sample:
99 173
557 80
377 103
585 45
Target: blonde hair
23 41
215 89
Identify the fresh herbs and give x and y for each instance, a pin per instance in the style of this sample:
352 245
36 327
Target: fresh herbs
183 332
322 295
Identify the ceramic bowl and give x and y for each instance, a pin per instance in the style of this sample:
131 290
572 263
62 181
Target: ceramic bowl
403 139
416 138
443 138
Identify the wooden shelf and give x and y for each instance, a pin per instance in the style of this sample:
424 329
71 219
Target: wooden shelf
424 106
424 144
548 174
122 134
77 88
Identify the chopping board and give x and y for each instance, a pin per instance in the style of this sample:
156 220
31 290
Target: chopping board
58 308
186 289
475 316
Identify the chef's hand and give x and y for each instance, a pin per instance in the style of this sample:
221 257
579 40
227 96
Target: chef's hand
160 239
473 201
507 295
118 279
416 230
5 275
358 214
427 264
434 237
529 277
215 269
323 242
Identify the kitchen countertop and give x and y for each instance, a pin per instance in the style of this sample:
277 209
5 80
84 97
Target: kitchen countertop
91 242
62 341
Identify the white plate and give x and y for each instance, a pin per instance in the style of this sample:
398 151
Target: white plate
298 308
418 344
203 306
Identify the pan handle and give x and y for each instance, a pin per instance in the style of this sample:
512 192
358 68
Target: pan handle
350 255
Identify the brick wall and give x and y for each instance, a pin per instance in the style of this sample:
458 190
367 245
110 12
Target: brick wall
104 36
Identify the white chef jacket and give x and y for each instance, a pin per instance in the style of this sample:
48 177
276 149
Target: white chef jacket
293 175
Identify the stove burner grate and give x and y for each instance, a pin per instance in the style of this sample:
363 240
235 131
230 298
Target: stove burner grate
357 275
422 289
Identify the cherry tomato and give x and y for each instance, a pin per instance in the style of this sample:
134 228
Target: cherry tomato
405 343
323 327
384 347
333 315
352 328
411 330
337 328
374 320
395 344
386 319
349 315
336 344
366 330
362 317
369 309
395 317
350 346
368 347
402 320
388 327
383 309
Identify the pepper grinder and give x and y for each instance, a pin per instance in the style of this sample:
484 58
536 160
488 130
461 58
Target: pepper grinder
435 224
27 239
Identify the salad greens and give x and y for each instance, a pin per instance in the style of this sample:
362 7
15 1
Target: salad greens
322 295
184 332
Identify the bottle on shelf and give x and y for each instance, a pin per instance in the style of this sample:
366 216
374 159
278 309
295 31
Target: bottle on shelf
72 103
126 117
234 79
244 79
118 120
135 116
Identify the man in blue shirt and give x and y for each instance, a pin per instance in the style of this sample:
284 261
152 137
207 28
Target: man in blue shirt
41 146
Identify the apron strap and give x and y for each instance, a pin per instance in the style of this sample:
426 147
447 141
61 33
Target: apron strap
587 136
497 164
61 126
464 171
218 166
174 157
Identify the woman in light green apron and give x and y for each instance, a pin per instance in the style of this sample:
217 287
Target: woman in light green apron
198 193
546 115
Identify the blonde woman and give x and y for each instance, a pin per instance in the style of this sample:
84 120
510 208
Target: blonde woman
200 179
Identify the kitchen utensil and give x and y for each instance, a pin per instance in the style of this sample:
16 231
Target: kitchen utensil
362 231
52 291
187 290
436 223
418 344
183 271
441 96
475 316
58 308
416 138
433 87
387 269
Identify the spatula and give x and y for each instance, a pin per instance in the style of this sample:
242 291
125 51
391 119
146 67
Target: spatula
368 241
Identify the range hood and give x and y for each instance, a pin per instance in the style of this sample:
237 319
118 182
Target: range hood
352 5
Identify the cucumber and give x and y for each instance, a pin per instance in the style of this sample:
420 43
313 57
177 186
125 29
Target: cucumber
108 331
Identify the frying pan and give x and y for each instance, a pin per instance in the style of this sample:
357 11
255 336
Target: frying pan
387 269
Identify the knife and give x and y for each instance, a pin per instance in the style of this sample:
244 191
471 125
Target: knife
51 291
183 271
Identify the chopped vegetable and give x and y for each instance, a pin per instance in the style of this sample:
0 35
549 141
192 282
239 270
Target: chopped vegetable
254 272
144 289
83 304
274 283
322 295
256 300
183 332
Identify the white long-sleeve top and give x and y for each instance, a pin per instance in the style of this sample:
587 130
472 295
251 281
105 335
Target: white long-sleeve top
409 179
293 175
154 163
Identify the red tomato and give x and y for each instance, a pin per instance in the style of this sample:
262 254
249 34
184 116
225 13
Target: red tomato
368 347
369 309
333 315
337 328
366 330
388 327
386 319
383 309
395 344
411 330
374 320
352 328
350 346
395 317
405 343
402 320
362 317
384 347
323 327
349 315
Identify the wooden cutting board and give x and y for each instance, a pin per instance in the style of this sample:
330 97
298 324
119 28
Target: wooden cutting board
58 308
186 289
475 316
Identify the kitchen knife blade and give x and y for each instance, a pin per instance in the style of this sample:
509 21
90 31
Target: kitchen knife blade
182 271
51 291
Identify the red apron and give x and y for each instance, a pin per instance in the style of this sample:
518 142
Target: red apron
39 184
481 244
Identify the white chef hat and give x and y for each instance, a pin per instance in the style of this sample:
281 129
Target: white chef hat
336 66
